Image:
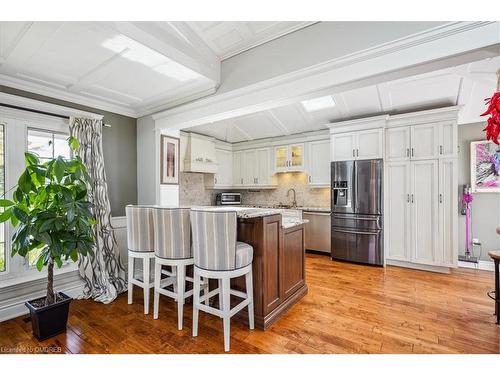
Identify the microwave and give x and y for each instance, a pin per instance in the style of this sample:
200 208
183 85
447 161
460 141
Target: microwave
223 199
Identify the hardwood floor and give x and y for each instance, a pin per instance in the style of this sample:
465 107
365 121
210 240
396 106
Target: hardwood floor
349 309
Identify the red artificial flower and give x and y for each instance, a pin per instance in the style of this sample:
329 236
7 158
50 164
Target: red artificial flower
493 125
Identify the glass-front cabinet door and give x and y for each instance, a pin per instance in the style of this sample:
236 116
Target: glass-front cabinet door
296 157
281 158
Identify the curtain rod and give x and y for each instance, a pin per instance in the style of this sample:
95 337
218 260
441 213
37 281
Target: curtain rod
41 112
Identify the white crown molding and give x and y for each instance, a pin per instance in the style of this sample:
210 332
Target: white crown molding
38 105
63 95
421 117
440 47
373 122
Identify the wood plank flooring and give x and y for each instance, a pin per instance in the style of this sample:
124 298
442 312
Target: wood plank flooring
349 309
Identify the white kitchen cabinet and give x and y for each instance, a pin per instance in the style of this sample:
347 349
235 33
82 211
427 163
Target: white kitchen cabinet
343 146
319 163
421 212
364 144
238 168
289 158
249 167
424 212
224 175
397 143
369 144
448 139
398 229
448 219
422 142
263 171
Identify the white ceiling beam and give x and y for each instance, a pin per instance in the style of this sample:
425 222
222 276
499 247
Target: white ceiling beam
175 41
450 45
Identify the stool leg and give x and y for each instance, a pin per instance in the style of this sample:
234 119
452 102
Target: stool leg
497 290
130 277
181 284
206 290
174 285
146 264
219 284
196 301
249 289
156 303
226 310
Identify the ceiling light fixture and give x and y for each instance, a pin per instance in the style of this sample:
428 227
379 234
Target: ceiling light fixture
135 51
317 104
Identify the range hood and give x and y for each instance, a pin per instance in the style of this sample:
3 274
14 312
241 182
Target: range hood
199 153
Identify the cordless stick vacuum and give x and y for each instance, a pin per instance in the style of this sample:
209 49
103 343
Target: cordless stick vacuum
466 210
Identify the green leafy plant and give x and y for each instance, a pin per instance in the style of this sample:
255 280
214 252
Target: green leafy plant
51 213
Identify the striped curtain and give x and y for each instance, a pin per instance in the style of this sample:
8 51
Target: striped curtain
103 271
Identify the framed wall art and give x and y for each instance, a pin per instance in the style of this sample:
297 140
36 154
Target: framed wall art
485 167
169 160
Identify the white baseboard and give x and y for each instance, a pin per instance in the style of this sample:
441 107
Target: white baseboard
483 265
13 307
416 266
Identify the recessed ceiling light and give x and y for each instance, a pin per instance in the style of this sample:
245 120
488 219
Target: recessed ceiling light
135 51
316 104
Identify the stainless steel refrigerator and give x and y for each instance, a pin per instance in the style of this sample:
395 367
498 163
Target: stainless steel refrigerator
357 211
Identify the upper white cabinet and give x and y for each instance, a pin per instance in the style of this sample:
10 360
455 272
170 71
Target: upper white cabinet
319 163
289 158
224 175
256 166
421 142
364 144
238 168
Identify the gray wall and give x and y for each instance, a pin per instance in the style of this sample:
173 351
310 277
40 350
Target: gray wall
120 151
485 206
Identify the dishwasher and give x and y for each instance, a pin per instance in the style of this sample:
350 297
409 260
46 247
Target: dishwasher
318 231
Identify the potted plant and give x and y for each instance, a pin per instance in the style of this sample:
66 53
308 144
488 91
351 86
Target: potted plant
52 215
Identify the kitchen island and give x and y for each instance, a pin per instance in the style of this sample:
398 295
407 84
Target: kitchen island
278 260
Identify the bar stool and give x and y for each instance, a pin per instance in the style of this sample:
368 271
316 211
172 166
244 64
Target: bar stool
140 241
217 255
495 255
172 244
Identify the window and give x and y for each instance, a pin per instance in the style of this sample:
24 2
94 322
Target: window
2 192
47 145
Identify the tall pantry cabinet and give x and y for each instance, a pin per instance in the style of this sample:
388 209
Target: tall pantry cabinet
421 189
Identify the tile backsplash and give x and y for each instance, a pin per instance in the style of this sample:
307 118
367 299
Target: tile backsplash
192 191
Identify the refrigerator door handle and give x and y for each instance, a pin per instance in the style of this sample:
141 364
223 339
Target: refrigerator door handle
355 231
355 217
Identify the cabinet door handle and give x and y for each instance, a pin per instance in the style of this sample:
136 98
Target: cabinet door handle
309 178
242 181
412 198
440 198
357 152
408 198
412 152
353 153
215 179
440 150
407 152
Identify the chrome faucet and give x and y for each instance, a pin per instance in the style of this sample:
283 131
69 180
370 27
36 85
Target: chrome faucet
294 201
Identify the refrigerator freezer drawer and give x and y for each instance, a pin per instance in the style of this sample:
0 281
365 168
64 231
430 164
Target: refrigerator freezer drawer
361 222
358 246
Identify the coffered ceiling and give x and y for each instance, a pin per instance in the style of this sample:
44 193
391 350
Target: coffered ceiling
132 68
465 85
227 39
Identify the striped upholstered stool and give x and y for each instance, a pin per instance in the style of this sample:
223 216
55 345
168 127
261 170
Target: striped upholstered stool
172 233
217 255
140 241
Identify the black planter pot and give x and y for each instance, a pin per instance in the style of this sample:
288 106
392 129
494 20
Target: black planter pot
49 321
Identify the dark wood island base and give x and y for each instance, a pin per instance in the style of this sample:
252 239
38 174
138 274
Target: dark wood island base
278 266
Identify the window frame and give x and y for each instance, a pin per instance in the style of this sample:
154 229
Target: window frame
51 132
6 226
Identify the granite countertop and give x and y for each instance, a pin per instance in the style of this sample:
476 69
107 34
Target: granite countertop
251 212
242 212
